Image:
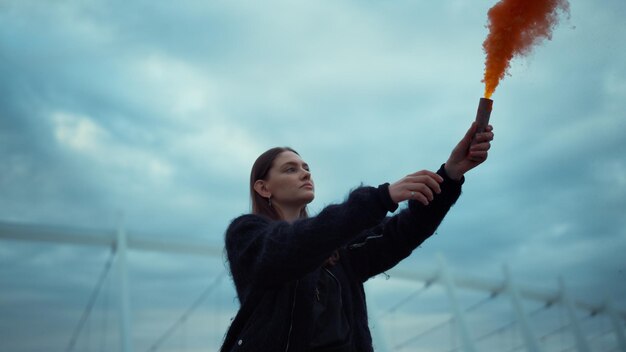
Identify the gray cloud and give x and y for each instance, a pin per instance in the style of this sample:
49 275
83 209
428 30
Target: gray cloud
157 111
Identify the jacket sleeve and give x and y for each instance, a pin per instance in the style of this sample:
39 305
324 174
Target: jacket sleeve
382 247
265 252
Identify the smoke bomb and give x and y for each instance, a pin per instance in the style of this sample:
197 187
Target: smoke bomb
483 113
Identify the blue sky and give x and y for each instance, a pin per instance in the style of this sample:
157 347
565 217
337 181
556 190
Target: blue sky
157 110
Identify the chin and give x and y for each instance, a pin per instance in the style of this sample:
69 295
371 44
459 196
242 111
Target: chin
310 198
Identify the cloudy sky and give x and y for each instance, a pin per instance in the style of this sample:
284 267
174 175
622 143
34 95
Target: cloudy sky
157 110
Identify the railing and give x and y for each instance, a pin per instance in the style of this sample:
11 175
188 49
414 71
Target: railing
466 331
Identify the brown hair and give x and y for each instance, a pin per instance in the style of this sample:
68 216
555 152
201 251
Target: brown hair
260 171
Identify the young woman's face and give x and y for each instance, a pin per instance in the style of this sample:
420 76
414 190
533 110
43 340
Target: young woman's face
289 180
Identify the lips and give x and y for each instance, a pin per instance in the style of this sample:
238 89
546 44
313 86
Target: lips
307 185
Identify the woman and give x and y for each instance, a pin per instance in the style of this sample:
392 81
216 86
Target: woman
299 279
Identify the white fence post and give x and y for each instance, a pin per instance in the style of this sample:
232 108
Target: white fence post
124 292
466 341
529 336
581 342
618 326
377 328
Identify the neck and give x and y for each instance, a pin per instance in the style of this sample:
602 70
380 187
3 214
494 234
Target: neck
289 214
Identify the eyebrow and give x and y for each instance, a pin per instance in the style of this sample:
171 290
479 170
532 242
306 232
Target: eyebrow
293 163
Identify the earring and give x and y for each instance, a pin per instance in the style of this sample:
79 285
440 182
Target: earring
269 201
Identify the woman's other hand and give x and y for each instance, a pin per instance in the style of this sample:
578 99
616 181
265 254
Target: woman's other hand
471 151
420 186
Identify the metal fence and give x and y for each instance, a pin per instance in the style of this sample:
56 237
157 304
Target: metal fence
113 299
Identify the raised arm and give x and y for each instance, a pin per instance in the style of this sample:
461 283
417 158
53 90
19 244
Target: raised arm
265 252
382 247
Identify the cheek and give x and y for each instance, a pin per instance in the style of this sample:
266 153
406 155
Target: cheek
281 184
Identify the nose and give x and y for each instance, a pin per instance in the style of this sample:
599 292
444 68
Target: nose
306 175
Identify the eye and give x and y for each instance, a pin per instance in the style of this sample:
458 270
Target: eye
290 169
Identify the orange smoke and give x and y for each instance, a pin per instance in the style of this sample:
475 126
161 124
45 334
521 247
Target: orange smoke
514 27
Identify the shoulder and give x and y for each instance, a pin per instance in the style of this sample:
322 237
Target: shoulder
245 223
247 219
246 226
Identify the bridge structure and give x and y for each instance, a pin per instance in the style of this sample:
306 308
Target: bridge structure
410 310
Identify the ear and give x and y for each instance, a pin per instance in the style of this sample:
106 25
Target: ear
260 186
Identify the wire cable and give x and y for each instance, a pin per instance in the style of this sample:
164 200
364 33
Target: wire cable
203 296
589 340
603 333
506 326
91 302
560 330
479 303
491 333
533 313
436 327
404 301
423 333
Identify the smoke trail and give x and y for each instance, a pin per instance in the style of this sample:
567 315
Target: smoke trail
514 27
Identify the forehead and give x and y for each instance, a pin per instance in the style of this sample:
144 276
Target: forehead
288 157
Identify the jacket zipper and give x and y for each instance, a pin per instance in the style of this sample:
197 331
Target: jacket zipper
361 244
338 284
293 308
